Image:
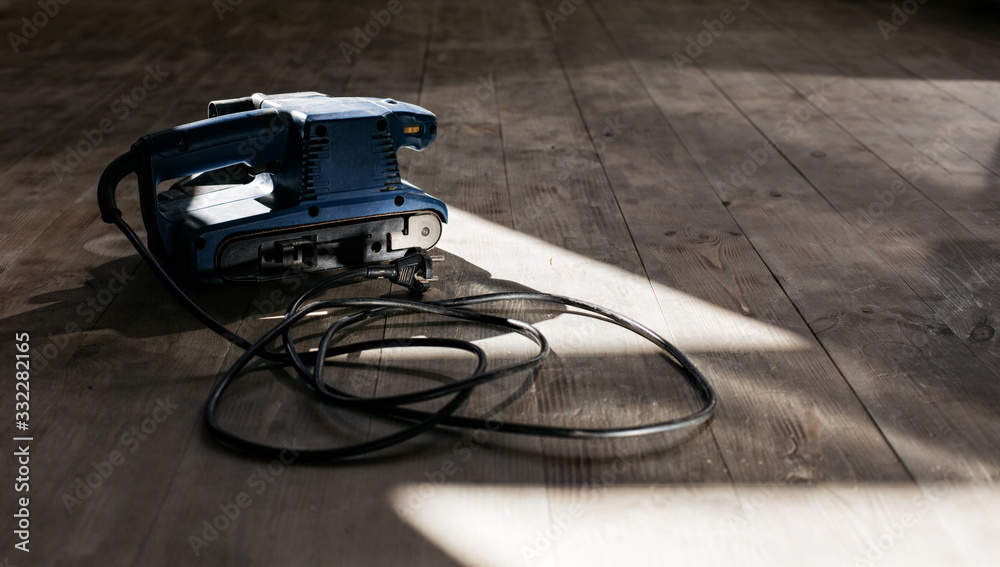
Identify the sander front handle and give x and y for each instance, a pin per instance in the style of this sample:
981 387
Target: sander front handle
119 169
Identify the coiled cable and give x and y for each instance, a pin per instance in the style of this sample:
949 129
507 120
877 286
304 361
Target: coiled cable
417 264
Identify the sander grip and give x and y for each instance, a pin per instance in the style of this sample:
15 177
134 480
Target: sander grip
257 138
117 170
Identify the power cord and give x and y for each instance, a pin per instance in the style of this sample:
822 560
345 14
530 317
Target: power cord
414 271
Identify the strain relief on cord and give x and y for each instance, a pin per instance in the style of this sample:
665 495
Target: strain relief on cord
110 216
415 271
375 272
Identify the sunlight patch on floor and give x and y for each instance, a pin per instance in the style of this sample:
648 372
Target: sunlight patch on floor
768 524
692 323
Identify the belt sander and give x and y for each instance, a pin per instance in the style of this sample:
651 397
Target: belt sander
271 186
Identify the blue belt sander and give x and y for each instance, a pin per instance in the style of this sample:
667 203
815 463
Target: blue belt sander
271 186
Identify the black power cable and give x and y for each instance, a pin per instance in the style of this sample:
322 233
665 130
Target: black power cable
410 272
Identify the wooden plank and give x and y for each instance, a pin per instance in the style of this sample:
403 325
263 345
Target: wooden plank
576 159
865 315
303 497
950 46
582 248
358 496
590 544
696 112
43 192
158 362
711 259
834 524
57 295
932 156
910 56
53 115
958 186
968 302
548 252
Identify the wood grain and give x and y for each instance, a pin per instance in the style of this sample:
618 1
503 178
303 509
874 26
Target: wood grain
854 355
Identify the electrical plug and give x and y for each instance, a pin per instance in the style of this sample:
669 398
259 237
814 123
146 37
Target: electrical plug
415 271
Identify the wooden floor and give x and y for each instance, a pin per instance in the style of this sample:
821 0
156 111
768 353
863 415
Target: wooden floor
809 209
